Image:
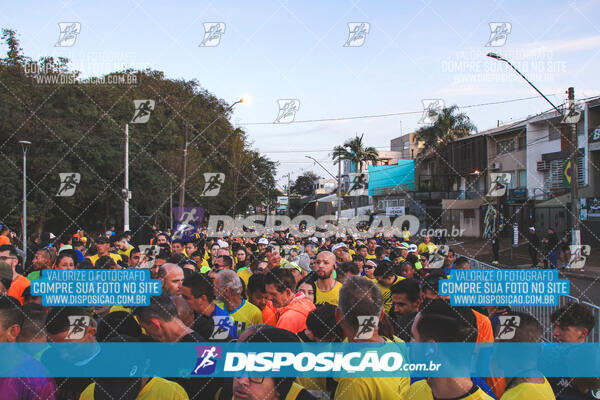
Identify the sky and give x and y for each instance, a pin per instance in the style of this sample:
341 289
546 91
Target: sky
413 51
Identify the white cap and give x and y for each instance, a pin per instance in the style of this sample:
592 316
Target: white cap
412 248
338 246
314 239
222 244
263 241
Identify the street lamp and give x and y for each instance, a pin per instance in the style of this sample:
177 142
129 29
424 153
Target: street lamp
569 118
24 145
185 152
339 181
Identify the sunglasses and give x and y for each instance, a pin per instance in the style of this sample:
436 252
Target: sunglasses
369 266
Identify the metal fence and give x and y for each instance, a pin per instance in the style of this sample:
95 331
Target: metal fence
543 313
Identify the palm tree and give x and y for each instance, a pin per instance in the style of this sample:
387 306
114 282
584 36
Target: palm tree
448 126
354 150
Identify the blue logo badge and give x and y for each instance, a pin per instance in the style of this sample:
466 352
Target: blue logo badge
207 359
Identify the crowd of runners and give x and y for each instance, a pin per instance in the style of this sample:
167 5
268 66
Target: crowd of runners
278 288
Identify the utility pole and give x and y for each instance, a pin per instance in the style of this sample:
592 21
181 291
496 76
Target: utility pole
171 205
126 194
24 144
339 193
287 209
183 175
575 228
339 181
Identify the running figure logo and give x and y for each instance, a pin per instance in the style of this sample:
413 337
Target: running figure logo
357 33
499 181
498 34
366 326
361 182
431 110
287 110
68 183
212 183
508 326
207 359
77 327
223 325
212 34
143 110
68 34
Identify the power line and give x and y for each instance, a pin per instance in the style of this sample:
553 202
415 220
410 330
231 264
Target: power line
388 114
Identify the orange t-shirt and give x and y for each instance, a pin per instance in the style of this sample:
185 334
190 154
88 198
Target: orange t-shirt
4 240
269 314
17 287
485 333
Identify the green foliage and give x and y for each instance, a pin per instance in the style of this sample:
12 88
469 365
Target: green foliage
303 185
79 127
449 126
355 151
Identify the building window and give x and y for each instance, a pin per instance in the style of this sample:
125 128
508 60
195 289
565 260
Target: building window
406 145
505 146
554 177
522 178
522 142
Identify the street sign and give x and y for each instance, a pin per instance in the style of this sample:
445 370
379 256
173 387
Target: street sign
518 194
397 211
283 200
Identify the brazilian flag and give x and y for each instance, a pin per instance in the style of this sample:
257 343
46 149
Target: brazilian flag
567 172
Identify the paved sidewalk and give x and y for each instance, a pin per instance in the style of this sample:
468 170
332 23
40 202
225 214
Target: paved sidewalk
510 257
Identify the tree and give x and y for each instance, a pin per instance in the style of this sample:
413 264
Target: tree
303 185
448 126
79 127
355 151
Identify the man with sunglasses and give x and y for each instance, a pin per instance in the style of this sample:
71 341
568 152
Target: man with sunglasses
369 270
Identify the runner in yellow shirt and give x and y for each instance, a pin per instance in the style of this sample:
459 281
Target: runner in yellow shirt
328 289
386 278
528 329
151 389
361 298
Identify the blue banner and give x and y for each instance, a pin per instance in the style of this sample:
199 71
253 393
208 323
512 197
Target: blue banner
515 287
295 359
95 287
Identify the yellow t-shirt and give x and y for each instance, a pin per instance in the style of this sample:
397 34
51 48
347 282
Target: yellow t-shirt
245 274
371 388
331 296
156 388
294 391
386 292
528 390
420 390
374 280
245 315
126 252
114 256
427 248
371 256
